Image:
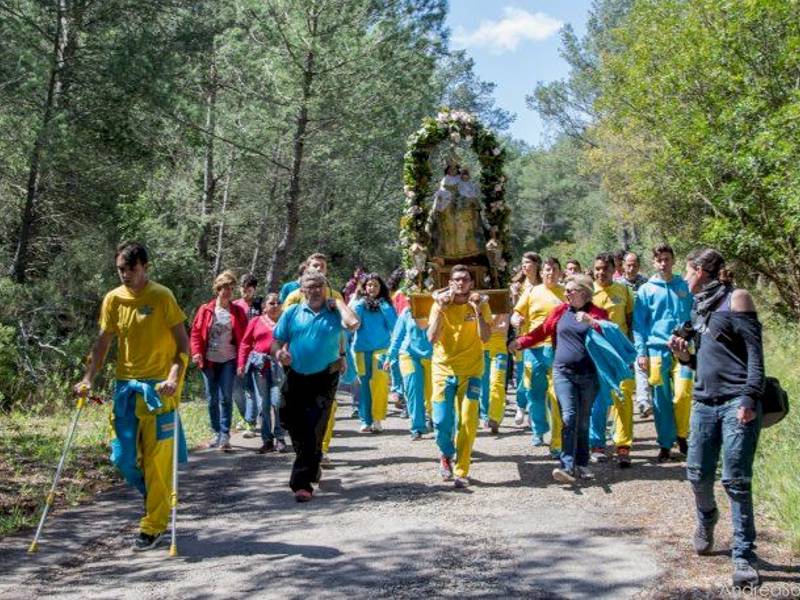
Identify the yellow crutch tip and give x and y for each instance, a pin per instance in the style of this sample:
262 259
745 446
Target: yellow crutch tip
173 550
34 548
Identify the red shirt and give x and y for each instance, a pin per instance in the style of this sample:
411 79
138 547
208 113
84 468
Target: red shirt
400 302
257 337
548 328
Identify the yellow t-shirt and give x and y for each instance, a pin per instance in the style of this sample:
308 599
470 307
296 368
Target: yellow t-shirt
617 300
498 341
142 324
535 304
459 350
296 297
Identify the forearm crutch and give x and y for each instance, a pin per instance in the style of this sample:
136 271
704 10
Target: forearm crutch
48 503
173 499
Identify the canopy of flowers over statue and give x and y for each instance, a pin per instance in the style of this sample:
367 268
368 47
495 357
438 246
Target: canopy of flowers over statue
459 222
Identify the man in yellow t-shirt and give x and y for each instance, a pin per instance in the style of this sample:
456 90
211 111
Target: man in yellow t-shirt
617 300
316 262
458 326
152 354
530 312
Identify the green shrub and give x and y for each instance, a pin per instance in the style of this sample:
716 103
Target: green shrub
777 487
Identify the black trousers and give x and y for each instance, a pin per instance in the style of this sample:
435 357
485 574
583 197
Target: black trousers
307 401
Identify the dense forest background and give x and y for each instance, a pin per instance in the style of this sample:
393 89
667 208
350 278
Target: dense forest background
245 134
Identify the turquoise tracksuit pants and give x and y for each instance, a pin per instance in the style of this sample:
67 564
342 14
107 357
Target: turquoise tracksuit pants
537 362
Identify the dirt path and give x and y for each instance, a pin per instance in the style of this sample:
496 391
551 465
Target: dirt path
384 525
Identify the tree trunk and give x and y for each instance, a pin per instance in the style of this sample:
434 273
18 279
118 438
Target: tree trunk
286 245
262 226
209 180
221 231
19 263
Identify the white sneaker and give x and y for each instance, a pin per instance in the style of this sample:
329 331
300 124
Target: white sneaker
377 427
519 416
598 455
563 476
365 428
585 473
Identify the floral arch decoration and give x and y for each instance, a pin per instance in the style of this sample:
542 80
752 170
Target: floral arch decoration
453 126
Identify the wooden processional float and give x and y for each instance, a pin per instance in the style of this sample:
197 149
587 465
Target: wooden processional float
451 218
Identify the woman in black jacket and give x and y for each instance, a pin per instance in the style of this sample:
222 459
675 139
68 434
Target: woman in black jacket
726 412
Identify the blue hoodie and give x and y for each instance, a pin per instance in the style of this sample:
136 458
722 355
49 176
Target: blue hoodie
659 308
376 327
409 338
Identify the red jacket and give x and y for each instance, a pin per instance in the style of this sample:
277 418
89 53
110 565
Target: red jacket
548 328
198 342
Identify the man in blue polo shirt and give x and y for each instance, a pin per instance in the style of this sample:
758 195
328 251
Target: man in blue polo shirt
307 342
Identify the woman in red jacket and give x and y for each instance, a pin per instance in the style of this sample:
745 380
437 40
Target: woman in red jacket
574 374
217 330
265 375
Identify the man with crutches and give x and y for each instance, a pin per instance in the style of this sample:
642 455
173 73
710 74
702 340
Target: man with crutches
152 355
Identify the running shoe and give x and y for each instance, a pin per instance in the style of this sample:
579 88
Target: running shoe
585 473
266 447
416 436
280 446
144 541
683 447
664 455
519 416
461 482
598 455
365 428
249 431
302 496
214 443
377 427
744 574
446 468
563 476
225 442
537 441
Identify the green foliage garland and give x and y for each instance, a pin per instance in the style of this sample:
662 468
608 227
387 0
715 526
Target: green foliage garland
453 126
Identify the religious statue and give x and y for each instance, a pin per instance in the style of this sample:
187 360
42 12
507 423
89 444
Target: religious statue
457 228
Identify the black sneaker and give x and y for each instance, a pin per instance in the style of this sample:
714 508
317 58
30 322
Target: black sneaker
683 446
703 539
744 574
267 446
144 541
663 455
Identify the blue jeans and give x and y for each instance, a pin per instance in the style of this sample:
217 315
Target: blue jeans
575 392
245 400
268 396
218 379
714 429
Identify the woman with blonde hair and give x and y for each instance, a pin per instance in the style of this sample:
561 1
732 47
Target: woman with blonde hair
217 330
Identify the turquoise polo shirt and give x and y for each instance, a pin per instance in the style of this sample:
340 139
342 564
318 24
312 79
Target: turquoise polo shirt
376 327
286 289
313 337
